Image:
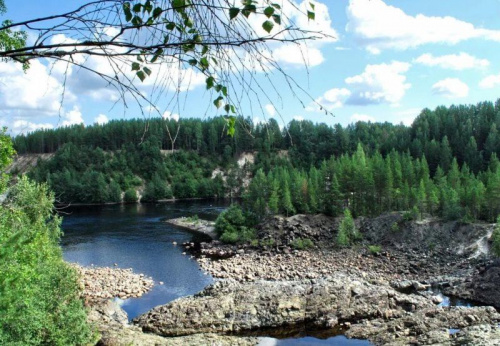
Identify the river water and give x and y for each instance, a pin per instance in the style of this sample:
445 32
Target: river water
136 236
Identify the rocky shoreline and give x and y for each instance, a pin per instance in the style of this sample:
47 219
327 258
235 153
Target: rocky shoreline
102 283
384 297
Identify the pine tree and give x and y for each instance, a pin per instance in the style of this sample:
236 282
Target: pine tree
273 203
347 233
286 200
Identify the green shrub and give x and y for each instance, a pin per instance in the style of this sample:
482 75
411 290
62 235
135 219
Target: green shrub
233 226
348 233
267 242
40 301
302 244
130 196
495 247
193 219
394 227
374 249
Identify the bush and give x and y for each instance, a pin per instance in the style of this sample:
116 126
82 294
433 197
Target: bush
374 249
394 227
495 247
40 301
348 233
233 226
130 196
302 244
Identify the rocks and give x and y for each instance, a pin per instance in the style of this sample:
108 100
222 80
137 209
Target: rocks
104 283
428 326
483 286
317 264
196 225
229 306
112 324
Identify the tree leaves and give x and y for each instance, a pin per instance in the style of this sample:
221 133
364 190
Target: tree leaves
233 12
268 26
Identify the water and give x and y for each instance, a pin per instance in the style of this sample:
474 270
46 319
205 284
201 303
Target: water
135 236
339 340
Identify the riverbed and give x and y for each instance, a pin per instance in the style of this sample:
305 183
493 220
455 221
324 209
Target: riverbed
136 236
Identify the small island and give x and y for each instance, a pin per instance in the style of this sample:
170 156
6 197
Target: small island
195 224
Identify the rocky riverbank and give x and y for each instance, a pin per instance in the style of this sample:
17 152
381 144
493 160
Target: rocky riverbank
112 324
273 289
339 303
195 225
101 283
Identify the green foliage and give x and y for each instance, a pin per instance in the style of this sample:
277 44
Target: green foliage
6 153
395 227
233 226
495 247
302 243
348 232
130 196
374 249
40 302
193 219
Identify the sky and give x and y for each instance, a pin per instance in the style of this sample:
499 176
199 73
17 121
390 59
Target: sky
385 61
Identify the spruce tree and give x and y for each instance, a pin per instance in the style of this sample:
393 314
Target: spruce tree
347 233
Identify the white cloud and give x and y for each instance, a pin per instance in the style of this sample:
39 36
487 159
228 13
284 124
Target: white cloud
378 26
451 88
294 15
490 82
298 118
362 117
298 54
73 117
101 119
33 93
170 116
271 111
333 98
407 116
24 126
458 62
384 83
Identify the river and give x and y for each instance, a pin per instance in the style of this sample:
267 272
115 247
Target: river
136 236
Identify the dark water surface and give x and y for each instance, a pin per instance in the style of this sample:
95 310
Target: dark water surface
136 236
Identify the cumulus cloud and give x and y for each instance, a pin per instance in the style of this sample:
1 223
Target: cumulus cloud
333 98
171 116
362 117
294 15
298 118
407 116
490 82
298 55
383 83
271 111
33 93
458 62
451 88
101 119
378 26
73 117
24 126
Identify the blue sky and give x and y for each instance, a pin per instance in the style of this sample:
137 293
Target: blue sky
389 59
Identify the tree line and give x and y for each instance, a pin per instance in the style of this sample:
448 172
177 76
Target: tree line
468 133
369 185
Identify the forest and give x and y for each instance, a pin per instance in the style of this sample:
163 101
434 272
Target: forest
444 164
